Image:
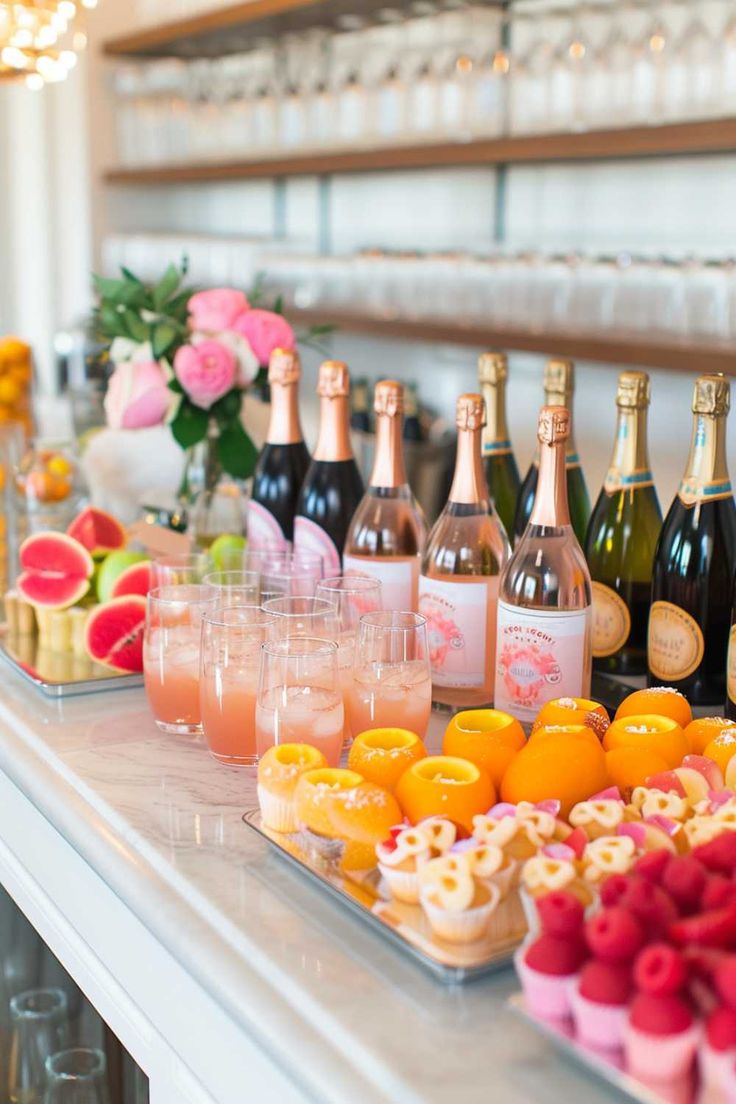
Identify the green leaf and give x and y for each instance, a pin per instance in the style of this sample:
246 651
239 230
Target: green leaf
166 286
130 275
177 307
227 408
112 321
238 454
278 307
174 385
137 329
190 425
163 337
106 288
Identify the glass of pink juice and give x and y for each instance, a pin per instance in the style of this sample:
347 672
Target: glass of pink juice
302 615
299 696
392 684
232 638
171 653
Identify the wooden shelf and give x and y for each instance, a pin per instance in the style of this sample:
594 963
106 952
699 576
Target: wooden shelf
710 136
645 349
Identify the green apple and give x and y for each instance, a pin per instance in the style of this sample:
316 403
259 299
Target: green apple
111 568
226 552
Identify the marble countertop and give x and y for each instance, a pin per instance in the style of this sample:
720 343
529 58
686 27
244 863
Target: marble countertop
344 1012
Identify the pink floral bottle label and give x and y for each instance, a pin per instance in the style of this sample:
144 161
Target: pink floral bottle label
540 655
398 577
264 530
459 619
310 537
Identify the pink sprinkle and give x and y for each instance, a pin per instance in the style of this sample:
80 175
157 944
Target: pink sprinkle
503 809
717 798
549 806
559 851
663 822
637 832
611 794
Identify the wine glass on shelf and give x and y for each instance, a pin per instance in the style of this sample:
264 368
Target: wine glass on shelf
391 676
532 54
77 1076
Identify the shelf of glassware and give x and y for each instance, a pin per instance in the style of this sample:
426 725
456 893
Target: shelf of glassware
647 349
704 136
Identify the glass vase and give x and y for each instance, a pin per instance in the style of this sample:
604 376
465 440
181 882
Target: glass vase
213 499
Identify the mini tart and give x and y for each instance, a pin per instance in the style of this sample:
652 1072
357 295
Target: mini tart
315 794
399 859
599 817
457 906
279 771
608 855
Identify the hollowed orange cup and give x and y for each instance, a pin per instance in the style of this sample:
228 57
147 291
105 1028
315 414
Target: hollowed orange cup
487 737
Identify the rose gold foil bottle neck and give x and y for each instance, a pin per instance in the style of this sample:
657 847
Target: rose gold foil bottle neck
334 380
333 388
388 398
551 508
469 482
284 367
470 412
284 370
388 465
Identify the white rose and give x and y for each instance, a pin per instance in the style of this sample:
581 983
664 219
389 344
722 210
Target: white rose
126 351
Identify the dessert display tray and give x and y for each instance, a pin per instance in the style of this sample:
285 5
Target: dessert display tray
59 674
609 1066
403 925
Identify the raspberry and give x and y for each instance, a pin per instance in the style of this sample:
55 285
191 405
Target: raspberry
560 913
719 854
684 880
719 891
660 969
659 1015
556 955
614 935
605 982
652 865
702 962
654 908
716 928
720 1029
725 980
614 888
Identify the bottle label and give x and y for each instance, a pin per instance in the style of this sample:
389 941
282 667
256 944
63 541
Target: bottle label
497 448
572 460
611 621
731 666
540 656
692 491
675 644
458 628
310 537
399 578
264 530
616 480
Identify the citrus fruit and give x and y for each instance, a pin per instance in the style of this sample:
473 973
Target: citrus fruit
226 552
364 814
444 785
573 711
702 730
382 755
314 795
654 731
562 766
487 737
629 767
722 748
575 731
662 701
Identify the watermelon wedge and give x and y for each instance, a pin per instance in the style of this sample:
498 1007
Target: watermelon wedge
55 570
114 634
98 531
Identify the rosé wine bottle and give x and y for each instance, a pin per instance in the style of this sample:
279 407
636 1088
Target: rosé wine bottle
388 530
458 587
544 640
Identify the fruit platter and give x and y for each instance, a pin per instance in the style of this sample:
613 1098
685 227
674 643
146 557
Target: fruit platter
74 619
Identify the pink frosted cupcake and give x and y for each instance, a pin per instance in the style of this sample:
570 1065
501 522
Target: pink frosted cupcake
399 859
661 1036
717 1054
600 1002
547 968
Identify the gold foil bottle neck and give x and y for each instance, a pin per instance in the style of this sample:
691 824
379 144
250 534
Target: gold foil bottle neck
334 380
559 376
712 395
493 367
388 398
470 412
633 391
284 367
554 425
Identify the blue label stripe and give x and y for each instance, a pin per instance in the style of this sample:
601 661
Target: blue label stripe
709 490
496 446
634 480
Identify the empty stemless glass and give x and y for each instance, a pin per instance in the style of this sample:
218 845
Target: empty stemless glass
235 588
181 569
392 686
228 683
299 697
302 616
77 1076
40 1026
171 650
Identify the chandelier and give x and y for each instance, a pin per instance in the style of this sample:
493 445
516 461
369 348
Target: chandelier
40 39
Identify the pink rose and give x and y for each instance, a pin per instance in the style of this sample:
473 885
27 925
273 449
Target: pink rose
137 395
216 309
206 371
265 331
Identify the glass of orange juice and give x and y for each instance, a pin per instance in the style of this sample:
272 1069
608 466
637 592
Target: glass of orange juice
299 697
171 650
392 685
235 588
232 639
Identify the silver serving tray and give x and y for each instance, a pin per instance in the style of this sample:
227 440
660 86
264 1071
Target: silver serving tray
60 674
403 925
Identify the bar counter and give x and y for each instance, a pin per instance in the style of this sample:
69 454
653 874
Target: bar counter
229 977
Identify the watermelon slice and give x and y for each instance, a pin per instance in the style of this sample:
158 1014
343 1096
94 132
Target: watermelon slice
98 531
134 580
123 572
114 634
55 570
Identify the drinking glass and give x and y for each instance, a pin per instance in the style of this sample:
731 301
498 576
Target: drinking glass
299 698
258 559
285 581
171 650
77 1076
234 588
304 616
232 638
391 677
39 1020
181 569
352 596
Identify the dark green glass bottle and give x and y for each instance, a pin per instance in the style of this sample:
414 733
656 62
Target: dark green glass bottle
502 474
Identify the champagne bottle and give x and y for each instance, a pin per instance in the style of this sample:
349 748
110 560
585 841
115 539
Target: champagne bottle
284 459
621 539
559 388
458 587
333 486
388 530
502 474
694 561
412 423
544 641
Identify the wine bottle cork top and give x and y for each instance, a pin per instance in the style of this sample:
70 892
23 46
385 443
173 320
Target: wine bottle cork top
554 424
712 395
633 390
493 367
470 412
559 376
284 366
334 379
388 398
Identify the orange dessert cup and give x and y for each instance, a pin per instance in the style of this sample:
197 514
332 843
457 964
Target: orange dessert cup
279 771
723 748
564 766
363 817
444 785
661 701
315 794
487 737
382 755
574 731
655 732
629 767
574 711
702 730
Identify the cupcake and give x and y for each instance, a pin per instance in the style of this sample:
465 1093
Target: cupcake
555 868
599 1002
608 855
279 770
399 858
600 816
520 830
547 969
457 906
717 1054
442 834
661 1035
488 863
